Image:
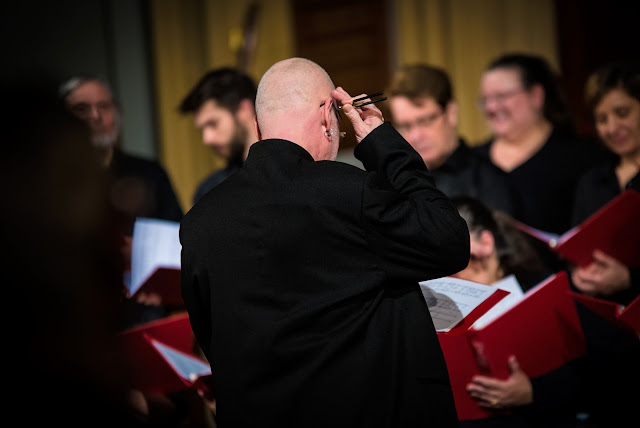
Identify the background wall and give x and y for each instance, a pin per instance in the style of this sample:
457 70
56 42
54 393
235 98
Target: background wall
69 37
153 51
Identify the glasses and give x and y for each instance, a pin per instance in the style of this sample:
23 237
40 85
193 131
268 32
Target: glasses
423 122
337 112
499 97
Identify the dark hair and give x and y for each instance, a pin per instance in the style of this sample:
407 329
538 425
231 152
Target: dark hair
615 75
417 81
226 86
535 70
515 254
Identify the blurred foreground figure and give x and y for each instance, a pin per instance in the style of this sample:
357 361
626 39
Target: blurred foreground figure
61 266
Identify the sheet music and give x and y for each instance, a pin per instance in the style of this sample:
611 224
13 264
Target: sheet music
156 244
188 367
510 284
451 299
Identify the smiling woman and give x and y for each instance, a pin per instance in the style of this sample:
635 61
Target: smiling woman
533 141
613 95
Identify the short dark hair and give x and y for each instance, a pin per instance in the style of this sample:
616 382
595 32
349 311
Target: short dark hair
615 75
226 86
535 70
515 253
416 81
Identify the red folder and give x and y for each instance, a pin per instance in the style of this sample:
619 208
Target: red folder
461 360
165 282
614 229
542 330
625 317
157 352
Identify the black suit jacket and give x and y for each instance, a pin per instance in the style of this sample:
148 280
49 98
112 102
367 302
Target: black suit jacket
301 282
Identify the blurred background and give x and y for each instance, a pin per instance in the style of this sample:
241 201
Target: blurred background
153 52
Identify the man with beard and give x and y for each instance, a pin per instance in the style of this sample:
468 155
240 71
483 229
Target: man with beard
222 103
137 187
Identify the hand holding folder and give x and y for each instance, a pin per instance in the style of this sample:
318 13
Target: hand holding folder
541 329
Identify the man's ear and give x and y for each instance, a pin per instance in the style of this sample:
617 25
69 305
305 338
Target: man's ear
537 94
452 113
326 114
257 128
246 111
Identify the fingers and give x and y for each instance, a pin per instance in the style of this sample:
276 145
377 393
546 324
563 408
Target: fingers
485 381
364 119
485 398
514 366
603 258
341 95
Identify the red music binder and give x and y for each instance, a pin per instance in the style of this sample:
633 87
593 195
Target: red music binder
542 330
614 229
165 282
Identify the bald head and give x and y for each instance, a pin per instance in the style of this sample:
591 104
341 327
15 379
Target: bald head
292 86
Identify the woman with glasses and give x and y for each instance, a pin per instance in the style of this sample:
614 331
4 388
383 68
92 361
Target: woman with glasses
532 140
425 113
597 383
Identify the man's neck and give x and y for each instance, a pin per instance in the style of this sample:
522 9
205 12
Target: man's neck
252 137
452 147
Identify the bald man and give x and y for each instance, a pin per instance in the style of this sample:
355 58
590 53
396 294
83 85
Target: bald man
300 273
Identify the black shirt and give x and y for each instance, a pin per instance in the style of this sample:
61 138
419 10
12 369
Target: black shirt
466 173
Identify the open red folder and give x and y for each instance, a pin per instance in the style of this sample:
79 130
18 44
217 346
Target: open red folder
626 317
614 229
542 330
160 357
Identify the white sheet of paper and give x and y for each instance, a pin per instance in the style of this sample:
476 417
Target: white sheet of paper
510 284
451 299
156 244
188 367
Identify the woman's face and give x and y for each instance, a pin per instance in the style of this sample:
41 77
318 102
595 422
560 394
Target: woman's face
617 118
483 266
508 106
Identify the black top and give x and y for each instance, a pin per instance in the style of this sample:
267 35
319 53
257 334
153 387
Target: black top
140 188
466 173
213 179
301 283
546 184
597 187
547 180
